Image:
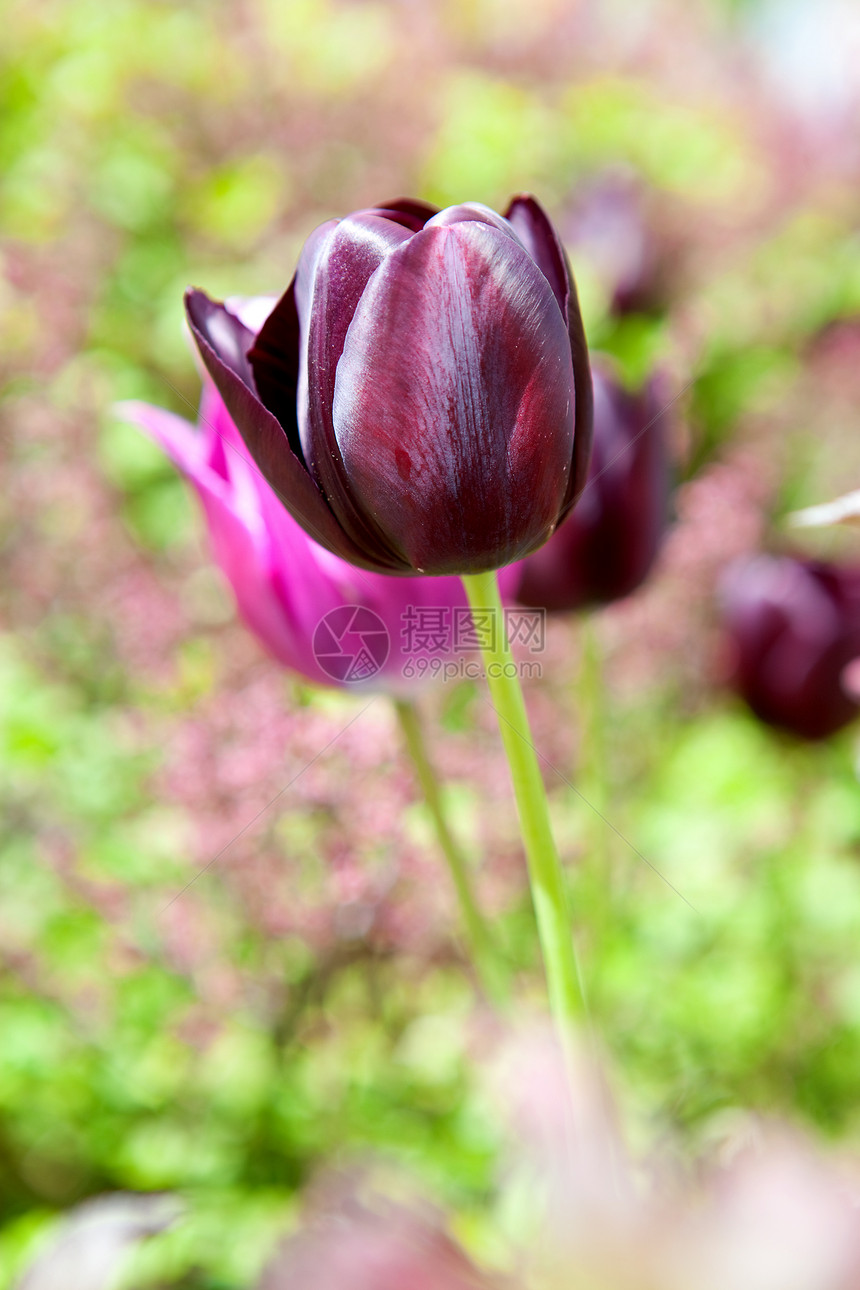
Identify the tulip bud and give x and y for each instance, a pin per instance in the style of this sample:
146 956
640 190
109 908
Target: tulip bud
419 398
793 629
606 547
317 615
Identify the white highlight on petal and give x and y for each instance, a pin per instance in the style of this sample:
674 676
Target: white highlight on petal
251 310
842 510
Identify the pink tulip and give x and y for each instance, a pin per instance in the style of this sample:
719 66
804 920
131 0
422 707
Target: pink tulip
384 632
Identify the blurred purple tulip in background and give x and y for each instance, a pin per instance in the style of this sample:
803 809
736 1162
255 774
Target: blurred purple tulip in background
607 546
608 229
420 397
793 629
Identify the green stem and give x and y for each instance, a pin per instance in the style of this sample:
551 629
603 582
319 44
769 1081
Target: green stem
595 780
564 981
481 943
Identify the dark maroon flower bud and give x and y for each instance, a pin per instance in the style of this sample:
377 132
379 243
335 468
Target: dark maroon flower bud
607 546
793 628
420 397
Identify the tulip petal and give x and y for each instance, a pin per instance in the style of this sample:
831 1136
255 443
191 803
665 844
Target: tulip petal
89 1247
282 581
234 520
251 310
408 212
453 400
179 439
842 510
276 356
219 338
477 213
535 229
330 281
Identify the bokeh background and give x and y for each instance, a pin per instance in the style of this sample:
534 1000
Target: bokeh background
227 957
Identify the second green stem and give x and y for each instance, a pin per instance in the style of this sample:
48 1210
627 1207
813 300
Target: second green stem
483 950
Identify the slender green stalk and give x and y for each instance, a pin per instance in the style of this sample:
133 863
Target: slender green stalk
595 780
480 940
564 981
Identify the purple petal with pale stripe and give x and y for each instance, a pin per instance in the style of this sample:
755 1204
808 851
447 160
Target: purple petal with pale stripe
218 336
332 273
476 213
276 357
534 227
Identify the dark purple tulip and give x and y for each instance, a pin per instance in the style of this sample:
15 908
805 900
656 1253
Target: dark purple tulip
420 397
607 546
793 628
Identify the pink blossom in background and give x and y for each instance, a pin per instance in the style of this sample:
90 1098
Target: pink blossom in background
767 1211
380 1247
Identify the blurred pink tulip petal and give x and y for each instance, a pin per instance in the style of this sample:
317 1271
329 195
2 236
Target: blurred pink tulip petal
401 630
384 1248
779 1216
563 1121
